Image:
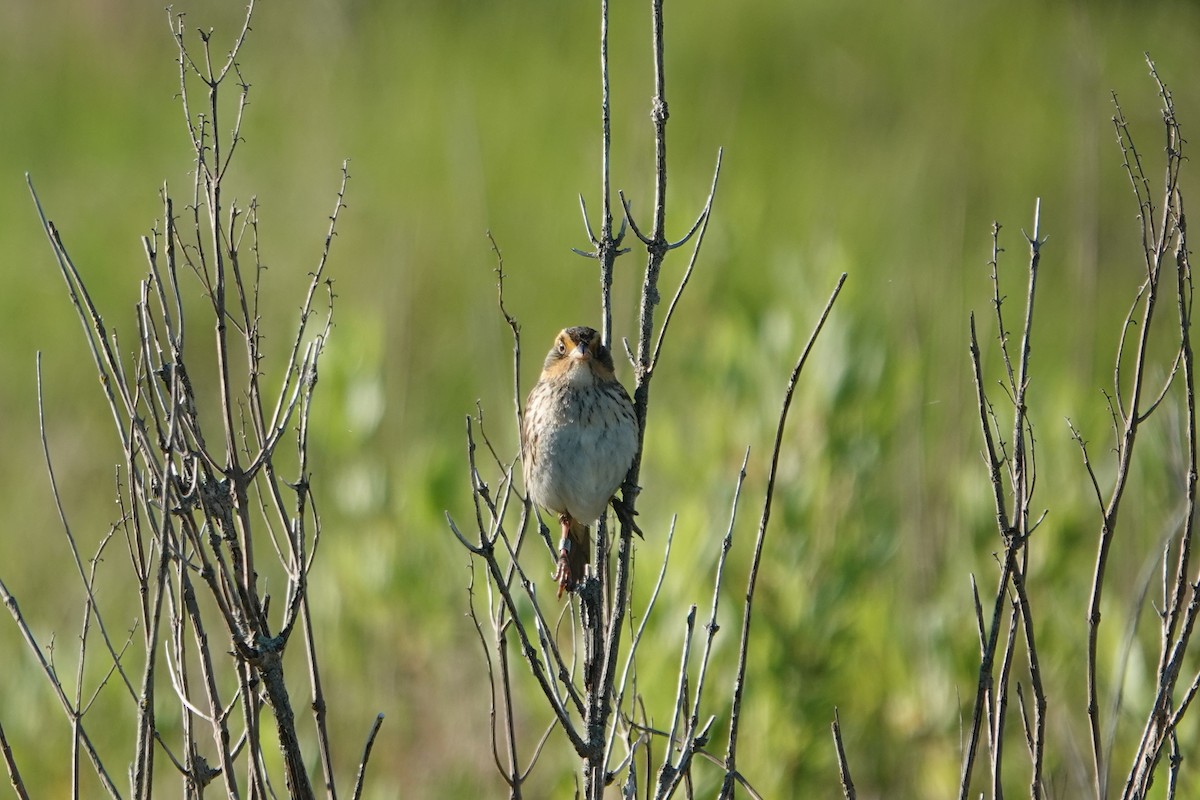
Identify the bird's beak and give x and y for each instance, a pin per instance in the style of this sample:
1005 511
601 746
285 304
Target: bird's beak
581 353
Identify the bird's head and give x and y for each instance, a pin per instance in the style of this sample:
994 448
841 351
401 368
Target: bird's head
579 348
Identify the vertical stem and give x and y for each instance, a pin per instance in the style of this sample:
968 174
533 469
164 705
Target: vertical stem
608 246
599 606
271 670
599 708
659 115
1020 477
739 683
1132 424
657 246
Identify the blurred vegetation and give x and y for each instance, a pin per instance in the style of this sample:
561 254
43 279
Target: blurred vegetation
881 141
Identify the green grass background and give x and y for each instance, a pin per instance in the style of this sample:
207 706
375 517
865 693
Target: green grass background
877 140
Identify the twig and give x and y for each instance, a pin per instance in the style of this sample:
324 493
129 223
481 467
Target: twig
527 648
637 635
668 774
843 767
362 763
52 676
999 704
744 645
702 223
1156 234
14 774
694 738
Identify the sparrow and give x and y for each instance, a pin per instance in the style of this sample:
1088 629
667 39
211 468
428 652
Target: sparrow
578 440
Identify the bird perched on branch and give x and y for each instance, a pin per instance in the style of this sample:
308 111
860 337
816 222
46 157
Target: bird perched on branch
578 440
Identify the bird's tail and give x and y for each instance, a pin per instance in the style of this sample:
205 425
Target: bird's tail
574 552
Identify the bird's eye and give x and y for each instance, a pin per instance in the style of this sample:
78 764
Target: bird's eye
560 348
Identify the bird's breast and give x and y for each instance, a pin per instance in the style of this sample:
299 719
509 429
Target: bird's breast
579 445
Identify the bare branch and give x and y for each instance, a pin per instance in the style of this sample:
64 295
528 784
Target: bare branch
14 774
843 767
744 646
362 764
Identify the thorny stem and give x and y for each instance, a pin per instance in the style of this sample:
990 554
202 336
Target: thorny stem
1156 237
1014 528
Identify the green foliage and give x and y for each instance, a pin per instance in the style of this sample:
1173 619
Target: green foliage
877 141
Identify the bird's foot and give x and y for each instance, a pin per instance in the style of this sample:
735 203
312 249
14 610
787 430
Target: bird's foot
626 513
562 571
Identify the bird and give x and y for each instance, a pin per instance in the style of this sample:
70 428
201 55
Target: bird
579 436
